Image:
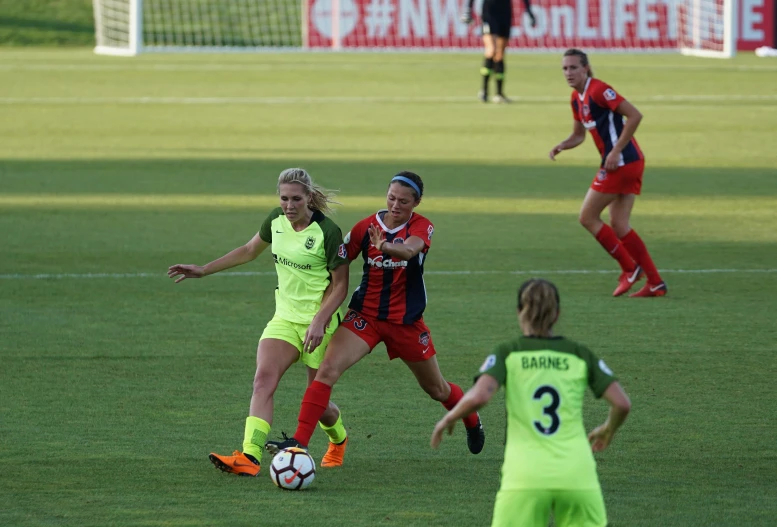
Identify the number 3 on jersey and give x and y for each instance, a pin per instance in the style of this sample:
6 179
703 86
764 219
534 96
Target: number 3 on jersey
549 409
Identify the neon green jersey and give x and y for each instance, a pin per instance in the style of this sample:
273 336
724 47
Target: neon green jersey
545 380
302 260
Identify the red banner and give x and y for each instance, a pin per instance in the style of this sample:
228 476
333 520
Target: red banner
589 24
756 24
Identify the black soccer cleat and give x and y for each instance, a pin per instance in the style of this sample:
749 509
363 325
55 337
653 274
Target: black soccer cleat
483 96
273 447
476 437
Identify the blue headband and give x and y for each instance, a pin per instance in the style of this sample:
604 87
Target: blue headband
409 181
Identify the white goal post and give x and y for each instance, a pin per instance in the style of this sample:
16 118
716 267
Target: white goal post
708 28
127 27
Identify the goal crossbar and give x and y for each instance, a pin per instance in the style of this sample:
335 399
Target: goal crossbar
704 28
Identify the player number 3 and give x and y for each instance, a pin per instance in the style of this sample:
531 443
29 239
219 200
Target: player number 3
549 410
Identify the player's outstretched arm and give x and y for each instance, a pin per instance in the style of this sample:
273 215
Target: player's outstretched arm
239 256
620 406
475 398
574 140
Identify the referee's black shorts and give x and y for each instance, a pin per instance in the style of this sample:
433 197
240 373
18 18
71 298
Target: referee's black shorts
497 18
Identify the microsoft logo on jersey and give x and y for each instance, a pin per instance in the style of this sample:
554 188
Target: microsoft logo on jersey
294 265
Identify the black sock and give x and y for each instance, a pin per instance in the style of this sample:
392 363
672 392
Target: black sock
499 75
485 72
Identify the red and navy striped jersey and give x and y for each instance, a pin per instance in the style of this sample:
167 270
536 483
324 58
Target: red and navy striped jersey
595 108
391 290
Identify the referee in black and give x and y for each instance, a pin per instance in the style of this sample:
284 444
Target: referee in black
497 19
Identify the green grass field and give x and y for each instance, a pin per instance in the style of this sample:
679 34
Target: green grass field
115 383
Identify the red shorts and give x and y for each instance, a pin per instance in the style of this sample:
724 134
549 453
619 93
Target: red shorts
624 180
410 342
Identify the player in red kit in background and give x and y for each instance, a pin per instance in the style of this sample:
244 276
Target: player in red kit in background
387 307
597 107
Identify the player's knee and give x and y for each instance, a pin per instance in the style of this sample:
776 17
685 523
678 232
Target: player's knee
586 220
620 227
328 373
437 391
591 223
265 383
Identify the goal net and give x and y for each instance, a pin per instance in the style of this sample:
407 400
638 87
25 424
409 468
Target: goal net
128 27
707 28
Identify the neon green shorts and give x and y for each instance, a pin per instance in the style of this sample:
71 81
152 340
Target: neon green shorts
294 334
532 507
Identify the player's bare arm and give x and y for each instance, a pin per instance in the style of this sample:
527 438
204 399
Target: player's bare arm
402 251
620 406
633 118
239 256
333 298
574 140
475 398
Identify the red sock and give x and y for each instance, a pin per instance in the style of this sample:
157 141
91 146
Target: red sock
609 240
314 404
471 420
636 247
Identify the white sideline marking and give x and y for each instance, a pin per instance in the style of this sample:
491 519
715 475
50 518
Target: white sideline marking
244 67
350 99
62 276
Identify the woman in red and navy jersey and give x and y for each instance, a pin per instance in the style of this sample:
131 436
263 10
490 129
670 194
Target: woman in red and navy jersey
387 307
598 108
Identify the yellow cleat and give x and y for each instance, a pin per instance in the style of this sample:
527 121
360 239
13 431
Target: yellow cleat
334 455
238 463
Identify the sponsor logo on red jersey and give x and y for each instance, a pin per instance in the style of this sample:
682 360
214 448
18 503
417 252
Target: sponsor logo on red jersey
388 263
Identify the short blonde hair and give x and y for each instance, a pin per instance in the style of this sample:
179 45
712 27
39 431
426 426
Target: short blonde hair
320 197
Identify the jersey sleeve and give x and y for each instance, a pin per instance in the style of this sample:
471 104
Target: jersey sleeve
333 245
575 107
422 228
352 243
265 231
494 365
600 376
604 95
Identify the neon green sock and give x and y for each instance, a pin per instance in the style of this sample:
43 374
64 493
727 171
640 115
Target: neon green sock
336 432
255 436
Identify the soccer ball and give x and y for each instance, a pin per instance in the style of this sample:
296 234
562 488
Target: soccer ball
293 469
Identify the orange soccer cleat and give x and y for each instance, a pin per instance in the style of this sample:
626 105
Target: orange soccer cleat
627 280
238 463
334 455
651 290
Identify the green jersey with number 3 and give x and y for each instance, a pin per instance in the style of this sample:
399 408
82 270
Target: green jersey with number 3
545 380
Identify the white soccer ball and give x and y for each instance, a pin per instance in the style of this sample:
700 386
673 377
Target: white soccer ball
293 469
